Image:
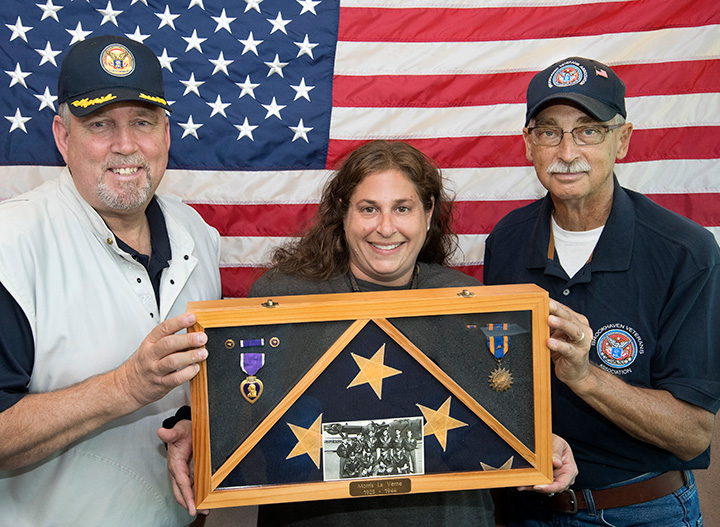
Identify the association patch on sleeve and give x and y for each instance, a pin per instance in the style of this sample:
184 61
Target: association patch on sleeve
618 345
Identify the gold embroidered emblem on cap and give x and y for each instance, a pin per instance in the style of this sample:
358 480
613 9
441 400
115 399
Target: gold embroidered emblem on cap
92 102
117 60
152 98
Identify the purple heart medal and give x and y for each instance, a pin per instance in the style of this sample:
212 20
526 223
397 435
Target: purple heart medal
252 387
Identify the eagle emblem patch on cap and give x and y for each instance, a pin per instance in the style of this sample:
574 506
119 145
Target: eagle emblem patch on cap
117 60
567 74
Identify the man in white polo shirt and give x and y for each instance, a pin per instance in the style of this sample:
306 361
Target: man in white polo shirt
95 274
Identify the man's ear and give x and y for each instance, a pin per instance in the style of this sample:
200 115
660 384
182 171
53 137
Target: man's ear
624 140
61 136
167 131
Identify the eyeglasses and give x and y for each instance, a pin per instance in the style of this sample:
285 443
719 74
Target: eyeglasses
592 134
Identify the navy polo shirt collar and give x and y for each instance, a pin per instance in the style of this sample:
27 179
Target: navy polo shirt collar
613 251
540 238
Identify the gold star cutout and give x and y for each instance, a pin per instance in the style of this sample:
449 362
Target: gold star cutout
505 466
373 371
309 441
438 422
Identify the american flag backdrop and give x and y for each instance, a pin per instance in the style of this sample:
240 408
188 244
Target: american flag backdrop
268 96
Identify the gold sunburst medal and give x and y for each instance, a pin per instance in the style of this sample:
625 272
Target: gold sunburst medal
500 379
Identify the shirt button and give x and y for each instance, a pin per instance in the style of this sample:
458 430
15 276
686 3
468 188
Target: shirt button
186 257
152 315
139 280
566 292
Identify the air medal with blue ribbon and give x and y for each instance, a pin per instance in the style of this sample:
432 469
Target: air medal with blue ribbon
498 341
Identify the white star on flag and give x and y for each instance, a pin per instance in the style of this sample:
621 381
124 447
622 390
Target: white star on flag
167 18
18 121
300 131
191 85
46 99
137 36
301 90
78 34
218 107
109 14
50 10
308 6
305 47
18 76
166 61
253 4
190 128
221 64
223 22
194 42
246 130
48 55
278 23
250 44
247 87
276 66
273 109
18 30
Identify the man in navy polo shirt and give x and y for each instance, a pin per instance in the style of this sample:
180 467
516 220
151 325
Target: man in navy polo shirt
636 384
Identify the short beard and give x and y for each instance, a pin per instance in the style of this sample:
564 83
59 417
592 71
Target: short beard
560 167
131 195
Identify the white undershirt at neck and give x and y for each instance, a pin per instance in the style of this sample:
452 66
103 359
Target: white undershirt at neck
574 248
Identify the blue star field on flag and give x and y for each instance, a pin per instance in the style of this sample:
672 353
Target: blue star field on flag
249 82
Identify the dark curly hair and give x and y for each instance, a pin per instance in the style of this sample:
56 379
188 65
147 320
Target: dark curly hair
323 252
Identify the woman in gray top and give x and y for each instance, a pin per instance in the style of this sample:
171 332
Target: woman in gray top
383 223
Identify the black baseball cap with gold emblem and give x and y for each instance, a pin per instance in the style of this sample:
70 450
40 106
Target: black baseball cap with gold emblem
108 69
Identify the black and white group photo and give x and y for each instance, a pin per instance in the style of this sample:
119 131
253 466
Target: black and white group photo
363 449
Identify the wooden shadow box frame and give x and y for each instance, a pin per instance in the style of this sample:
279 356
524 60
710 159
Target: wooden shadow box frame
317 397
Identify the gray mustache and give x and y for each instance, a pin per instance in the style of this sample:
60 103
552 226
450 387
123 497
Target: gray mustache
560 167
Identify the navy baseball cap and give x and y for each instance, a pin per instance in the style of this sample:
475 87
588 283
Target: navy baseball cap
586 82
108 69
